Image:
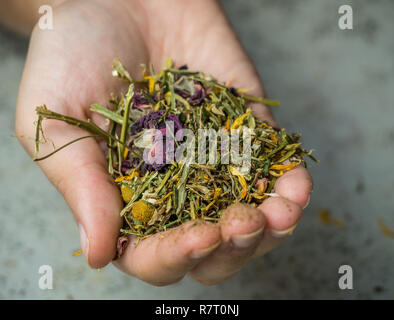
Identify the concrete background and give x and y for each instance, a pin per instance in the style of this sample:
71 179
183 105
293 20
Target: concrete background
336 87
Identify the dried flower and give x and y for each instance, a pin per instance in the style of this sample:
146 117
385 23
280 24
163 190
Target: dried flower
261 186
142 211
127 194
242 180
154 120
140 102
199 94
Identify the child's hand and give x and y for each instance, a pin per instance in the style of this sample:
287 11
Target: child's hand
69 68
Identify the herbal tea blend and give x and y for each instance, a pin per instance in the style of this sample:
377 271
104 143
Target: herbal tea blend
185 147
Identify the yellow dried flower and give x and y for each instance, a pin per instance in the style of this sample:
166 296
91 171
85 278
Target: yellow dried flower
238 122
228 124
241 179
127 194
273 138
125 153
166 196
151 81
130 177
284 166
142 211
77 253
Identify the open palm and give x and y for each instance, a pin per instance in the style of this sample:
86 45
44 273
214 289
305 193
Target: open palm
68 69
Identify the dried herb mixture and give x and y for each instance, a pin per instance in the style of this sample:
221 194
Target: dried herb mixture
164 194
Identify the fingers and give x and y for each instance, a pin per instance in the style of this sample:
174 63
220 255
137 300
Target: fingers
80 174
283 213
268 243
295 185
282 216
241 231
166 257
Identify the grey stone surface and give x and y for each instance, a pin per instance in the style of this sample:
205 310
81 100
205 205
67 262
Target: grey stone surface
336 87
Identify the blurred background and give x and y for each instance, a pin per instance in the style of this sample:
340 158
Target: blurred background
335 86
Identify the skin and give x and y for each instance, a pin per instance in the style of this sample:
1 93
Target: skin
69 68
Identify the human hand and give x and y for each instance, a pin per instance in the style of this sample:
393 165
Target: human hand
68 69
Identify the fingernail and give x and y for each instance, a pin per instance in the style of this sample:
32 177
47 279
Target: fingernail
307 202
283 233
246 240
84 241
202 253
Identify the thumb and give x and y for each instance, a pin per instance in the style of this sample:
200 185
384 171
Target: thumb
80 175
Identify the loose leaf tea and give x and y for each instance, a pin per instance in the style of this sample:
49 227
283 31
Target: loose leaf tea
160 185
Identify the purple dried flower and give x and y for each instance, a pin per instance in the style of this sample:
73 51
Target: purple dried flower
139 101
148 121
151 121
182 93
234 91
199 94
175 120
126 165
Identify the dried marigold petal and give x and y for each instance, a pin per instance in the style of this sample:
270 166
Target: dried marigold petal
275 174
77 253
259 197
273 138
241 179
284 166
131 176
326 217
385 229
151 81
228 124
166 196
142 211
238 122
217 193
126 153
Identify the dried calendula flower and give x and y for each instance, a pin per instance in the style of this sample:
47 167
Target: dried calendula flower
142 211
